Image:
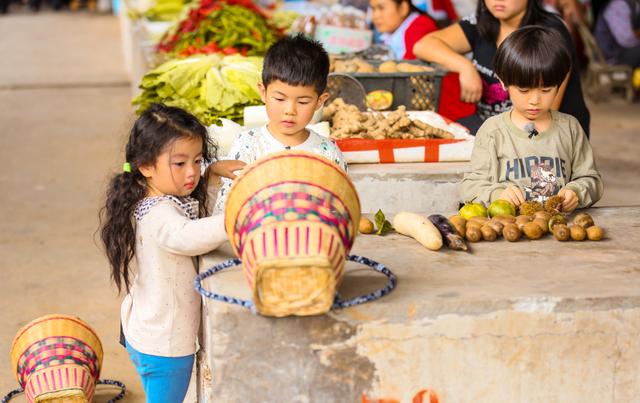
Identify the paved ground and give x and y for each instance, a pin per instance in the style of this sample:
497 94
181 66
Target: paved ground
64 112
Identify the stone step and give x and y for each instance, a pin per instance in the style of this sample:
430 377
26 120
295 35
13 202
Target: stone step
428 187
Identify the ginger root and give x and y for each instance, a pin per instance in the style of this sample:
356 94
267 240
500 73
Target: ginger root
347 121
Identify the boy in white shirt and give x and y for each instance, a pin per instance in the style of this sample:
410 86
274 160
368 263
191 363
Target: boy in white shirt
294 79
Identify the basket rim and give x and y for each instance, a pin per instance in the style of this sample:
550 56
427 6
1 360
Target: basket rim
99 350
231 215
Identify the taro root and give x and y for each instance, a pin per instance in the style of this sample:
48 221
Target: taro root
584 220
473 233
561 232
532 230
595 233
577 232
511 233
488 233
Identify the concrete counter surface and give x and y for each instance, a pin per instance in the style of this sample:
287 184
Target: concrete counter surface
530 321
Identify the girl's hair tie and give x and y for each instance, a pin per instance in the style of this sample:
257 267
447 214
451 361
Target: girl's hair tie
126 167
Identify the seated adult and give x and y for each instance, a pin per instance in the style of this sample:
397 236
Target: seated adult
481 34
401 25
618 32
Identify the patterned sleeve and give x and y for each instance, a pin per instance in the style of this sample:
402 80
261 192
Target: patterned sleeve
243 150
339 157
330 150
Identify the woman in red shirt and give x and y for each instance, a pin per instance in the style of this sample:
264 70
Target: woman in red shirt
401 25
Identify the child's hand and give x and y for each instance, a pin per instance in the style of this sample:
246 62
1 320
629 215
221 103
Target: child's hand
512 194
226 168
570 201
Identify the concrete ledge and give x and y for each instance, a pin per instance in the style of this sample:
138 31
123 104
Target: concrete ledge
533 321
408 187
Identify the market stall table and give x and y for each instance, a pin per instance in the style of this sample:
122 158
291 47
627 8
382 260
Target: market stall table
532 321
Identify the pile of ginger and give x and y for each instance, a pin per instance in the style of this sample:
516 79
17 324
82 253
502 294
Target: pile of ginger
348 122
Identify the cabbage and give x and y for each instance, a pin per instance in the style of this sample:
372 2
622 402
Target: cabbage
210 87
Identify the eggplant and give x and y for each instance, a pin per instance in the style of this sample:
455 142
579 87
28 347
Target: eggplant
448 232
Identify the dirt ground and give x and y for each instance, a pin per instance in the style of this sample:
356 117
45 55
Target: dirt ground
64 112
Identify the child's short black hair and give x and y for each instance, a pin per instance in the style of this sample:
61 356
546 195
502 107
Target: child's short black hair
532 57
297 60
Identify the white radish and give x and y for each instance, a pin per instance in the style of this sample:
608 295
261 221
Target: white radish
418 228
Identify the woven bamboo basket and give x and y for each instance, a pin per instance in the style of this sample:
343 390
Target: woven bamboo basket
292 219
57 359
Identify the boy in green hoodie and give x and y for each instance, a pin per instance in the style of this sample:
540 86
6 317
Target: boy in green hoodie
531 153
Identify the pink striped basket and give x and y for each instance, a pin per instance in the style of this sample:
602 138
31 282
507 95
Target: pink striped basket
57 358
292 218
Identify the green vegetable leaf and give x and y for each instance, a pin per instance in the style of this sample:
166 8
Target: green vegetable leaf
382 223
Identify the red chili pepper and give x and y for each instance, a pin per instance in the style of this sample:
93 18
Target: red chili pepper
256 34
244 51
230 50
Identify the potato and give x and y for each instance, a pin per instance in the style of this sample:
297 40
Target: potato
459 223
412 68
542 223
365 226
505 219
488 233
545 215
577 232
584 220
472 224
595 233
557 219
473 234
511 232
532 230
479 219
388 67
561 232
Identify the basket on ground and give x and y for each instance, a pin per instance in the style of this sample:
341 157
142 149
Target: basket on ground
57 359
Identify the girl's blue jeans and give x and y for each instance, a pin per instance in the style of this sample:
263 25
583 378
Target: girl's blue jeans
164 379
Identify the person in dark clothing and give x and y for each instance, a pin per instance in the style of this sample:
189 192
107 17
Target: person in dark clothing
618 32
481 34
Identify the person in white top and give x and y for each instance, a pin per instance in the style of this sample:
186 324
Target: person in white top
294 79
151 222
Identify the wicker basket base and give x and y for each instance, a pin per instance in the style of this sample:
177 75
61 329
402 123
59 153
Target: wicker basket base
66 396
299 287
